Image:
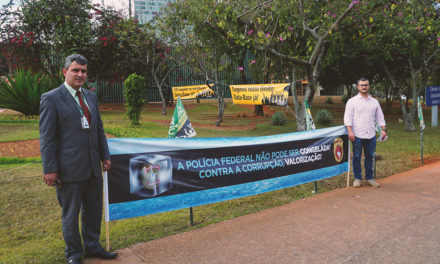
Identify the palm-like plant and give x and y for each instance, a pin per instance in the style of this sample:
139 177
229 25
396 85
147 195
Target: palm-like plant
22 91
324 117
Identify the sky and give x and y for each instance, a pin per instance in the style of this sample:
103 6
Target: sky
3 2
117 4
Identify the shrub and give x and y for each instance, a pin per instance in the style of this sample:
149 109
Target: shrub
324 117
329 100
344 98
134 88
22 90
278 119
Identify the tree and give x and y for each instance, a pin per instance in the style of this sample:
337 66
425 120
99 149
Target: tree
39 30
157 58
293 31
198 47
408 40
40 33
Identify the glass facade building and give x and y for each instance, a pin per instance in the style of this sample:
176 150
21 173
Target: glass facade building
145 10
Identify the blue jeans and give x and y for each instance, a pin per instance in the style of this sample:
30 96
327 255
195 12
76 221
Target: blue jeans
369 146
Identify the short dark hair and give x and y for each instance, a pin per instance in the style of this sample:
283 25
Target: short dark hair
362 79
80 59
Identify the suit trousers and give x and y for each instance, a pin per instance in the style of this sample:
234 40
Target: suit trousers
85 197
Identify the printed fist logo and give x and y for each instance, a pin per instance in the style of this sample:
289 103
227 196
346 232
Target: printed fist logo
338 149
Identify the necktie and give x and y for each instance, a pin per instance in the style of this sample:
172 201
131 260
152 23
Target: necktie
83 106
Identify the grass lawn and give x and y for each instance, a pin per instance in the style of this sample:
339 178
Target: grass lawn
30 225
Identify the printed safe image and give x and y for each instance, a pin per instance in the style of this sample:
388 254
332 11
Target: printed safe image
150 175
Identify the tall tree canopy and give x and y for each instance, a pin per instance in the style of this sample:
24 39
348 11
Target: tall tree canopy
293 32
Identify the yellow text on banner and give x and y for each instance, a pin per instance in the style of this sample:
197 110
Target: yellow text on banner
192 92
260 94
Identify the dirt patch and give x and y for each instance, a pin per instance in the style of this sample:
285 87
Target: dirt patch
20 149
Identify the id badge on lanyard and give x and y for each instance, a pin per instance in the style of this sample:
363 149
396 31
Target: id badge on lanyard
84 123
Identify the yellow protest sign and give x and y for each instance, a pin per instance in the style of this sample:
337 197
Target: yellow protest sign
260 94
192 92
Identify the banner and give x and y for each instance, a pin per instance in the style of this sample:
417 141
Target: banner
150 176
260 94
192 92
432 95
309 119
180 126
420 113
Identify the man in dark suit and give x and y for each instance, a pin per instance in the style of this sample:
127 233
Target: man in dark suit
73 148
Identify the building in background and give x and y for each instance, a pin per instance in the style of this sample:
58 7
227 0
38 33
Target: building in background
120 5
142 10
145 10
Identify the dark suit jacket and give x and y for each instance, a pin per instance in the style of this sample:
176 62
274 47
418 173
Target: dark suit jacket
65 147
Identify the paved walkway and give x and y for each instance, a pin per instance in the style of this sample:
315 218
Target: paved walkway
396 223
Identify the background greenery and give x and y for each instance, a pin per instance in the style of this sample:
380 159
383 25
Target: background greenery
30 225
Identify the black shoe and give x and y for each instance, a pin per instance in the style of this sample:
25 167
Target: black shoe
101 253
74 261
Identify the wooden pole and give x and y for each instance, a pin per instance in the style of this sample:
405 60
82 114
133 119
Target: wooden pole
107 236
191 218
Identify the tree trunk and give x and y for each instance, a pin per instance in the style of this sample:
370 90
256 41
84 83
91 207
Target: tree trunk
221 110
412 89
408 118
162 97
388 99
220 101
300 111
164 101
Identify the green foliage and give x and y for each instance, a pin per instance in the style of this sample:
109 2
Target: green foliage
392 42
14 160
47 27
324 117
22 91
134 89
278 119
39 34
121 47
329 100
